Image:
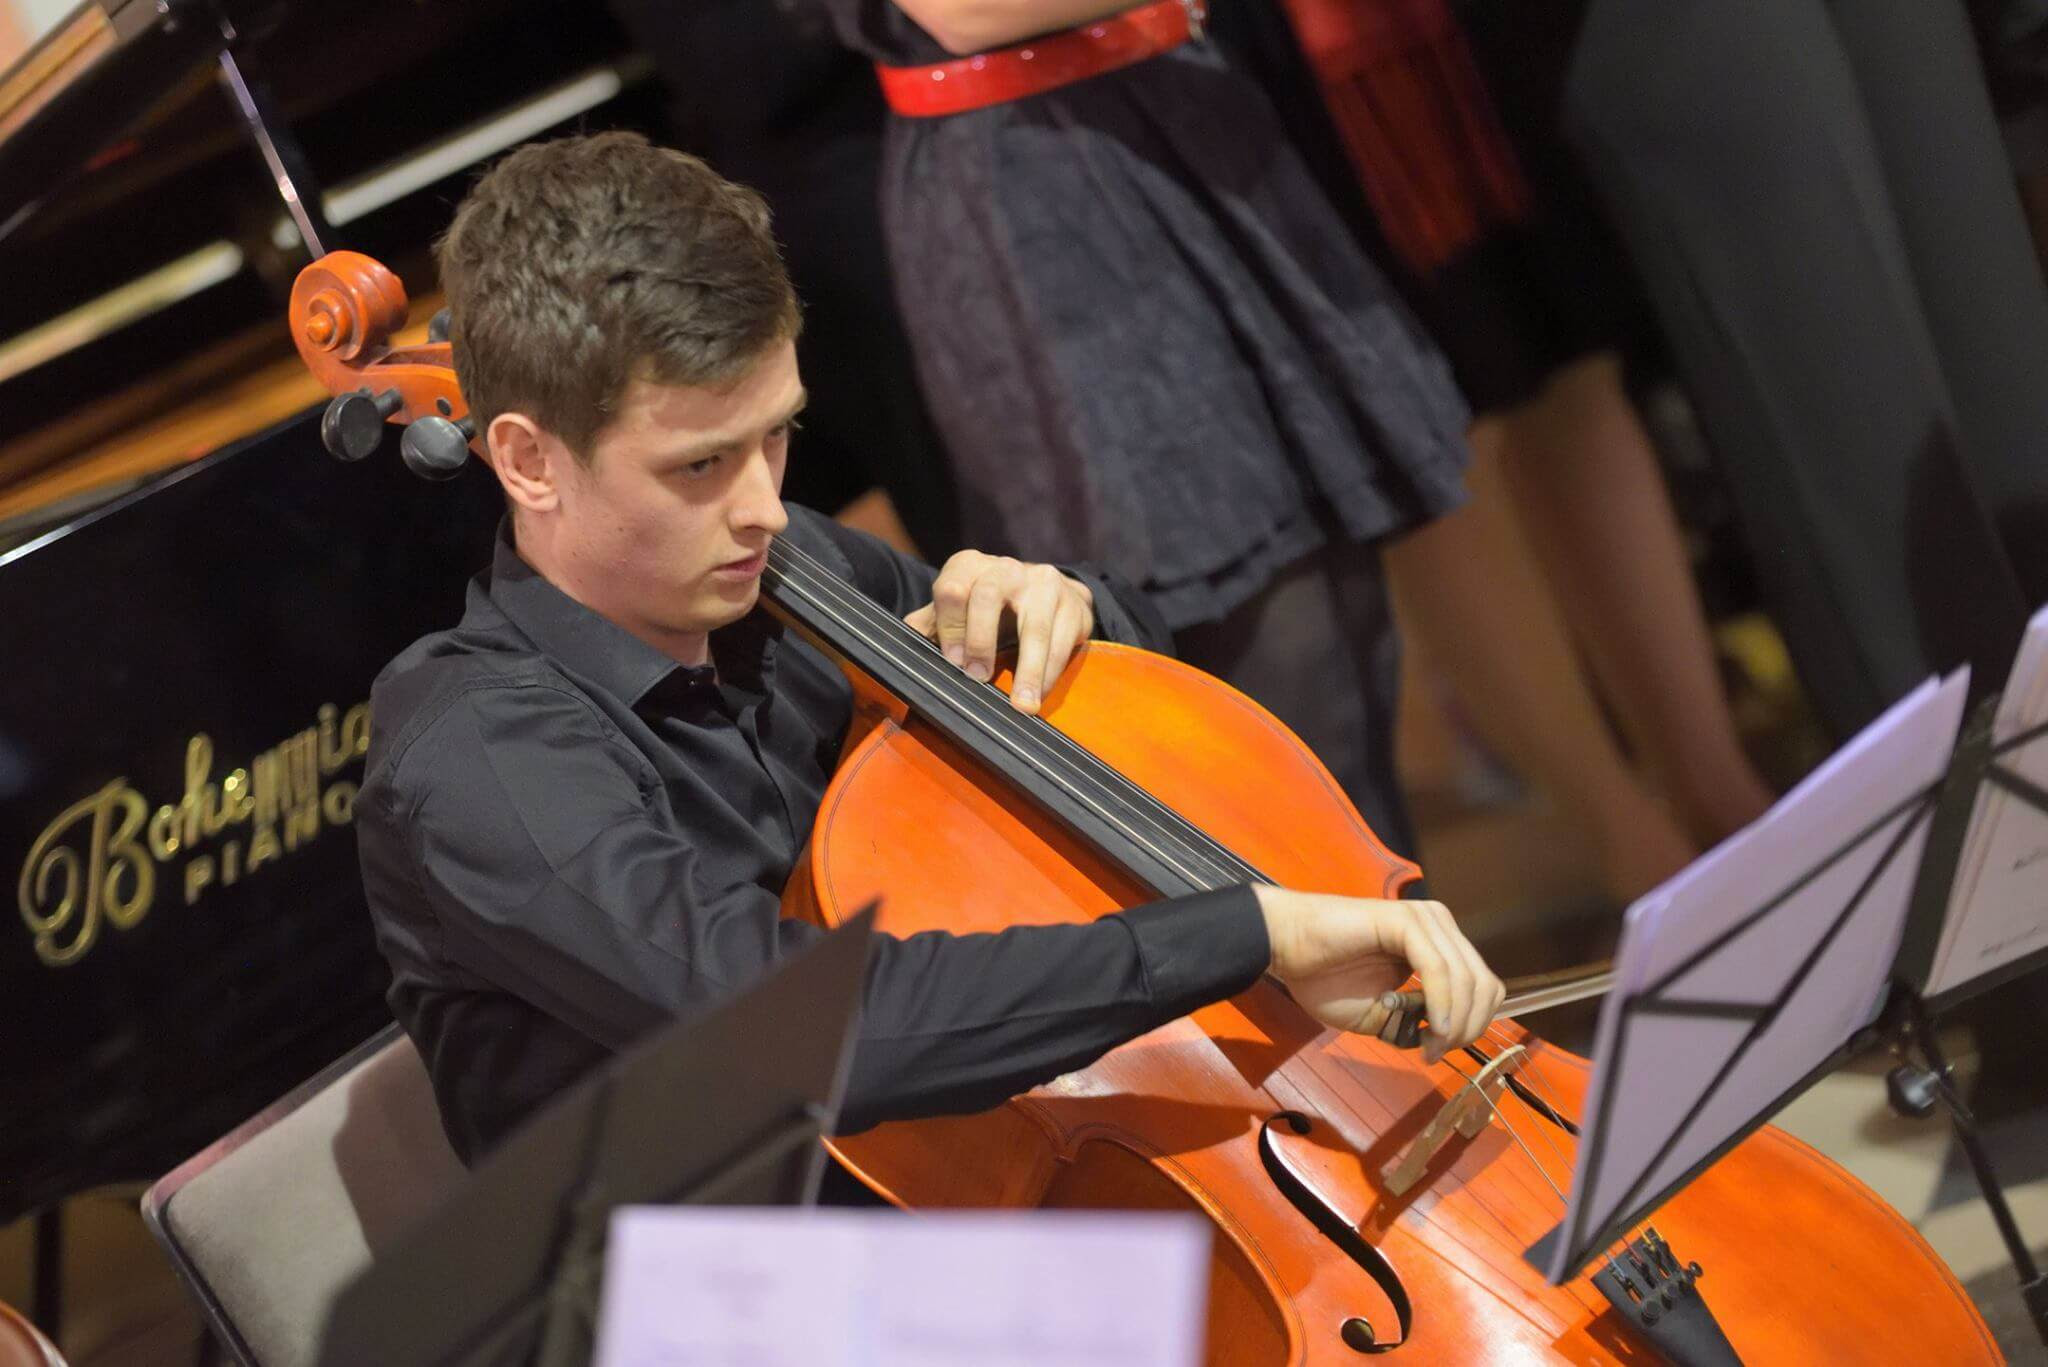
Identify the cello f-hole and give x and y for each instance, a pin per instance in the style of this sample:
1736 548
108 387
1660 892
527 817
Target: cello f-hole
1356 1331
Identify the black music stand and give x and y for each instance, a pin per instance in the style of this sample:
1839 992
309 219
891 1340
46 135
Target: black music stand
1812 997
1982 787
725 1108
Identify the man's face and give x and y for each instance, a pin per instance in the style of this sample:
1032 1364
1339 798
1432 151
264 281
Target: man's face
666 530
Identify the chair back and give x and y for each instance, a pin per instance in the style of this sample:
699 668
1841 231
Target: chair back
267 1224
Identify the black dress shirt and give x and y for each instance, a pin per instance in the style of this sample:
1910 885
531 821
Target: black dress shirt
567 838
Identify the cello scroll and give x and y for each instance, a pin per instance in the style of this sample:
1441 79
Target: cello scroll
345 307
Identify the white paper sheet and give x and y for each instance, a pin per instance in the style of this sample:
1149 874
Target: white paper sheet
1696 941
1998 908
696 1286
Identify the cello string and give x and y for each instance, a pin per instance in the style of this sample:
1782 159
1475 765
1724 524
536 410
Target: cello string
1514 1134
946 678
1535 1085
1337 1094
1313 1061
1496 1034
1183 863
1092 781
1053 745
1530 1081
994 716
889 637
1535 1162
1099 784
882 630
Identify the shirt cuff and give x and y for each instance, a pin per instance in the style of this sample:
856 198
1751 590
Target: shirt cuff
1200 949
1122 614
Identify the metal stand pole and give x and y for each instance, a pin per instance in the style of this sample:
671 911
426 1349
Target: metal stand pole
1915 1091
281 154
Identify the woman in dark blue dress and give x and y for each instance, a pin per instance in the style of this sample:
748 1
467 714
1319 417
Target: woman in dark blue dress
1149 342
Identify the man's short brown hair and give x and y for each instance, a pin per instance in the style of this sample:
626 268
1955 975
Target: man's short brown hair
576 266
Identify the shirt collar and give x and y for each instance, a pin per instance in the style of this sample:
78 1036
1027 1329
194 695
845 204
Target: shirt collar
606 654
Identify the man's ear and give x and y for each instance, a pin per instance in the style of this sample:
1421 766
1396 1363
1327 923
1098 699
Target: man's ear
530 461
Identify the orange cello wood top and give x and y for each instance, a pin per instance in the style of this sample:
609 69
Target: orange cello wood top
1804 1264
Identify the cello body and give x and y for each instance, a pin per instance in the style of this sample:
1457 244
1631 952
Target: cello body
1803 1264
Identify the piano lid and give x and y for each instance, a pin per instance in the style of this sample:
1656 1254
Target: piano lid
150 252
90 79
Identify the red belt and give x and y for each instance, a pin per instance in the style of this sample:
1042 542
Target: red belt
1012 73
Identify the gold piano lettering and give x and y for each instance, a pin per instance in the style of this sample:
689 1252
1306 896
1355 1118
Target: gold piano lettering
263 847
97 862
301 824
64 895
348 741
338 803
164 841
198 875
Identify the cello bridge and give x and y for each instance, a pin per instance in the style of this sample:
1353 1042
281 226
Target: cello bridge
1464 1113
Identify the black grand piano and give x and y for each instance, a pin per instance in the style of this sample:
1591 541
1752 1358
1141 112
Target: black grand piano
194 597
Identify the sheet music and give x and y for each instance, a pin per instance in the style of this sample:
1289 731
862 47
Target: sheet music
1703 1031
1998 908
698 1286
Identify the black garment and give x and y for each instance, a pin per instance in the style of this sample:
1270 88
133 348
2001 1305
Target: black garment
2013 37
567 837
1147 339
1816 195
1527 298
1532 297
774 102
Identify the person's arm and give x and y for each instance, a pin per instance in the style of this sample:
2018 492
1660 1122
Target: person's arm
965 27
528 830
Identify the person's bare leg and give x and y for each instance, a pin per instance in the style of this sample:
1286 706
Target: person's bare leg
1593 504
1468 590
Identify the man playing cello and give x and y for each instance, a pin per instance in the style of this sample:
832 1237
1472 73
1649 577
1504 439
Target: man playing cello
582 802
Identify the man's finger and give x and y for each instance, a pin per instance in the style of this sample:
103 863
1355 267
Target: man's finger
924 622
1037 610
1450 1009
950 597
984 624
1438 989
1069 628
1486 988
1467 973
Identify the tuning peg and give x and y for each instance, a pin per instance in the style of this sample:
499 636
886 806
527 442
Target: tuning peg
353 424
435 448
437 327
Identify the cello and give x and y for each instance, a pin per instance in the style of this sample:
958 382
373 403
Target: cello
1362 1203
